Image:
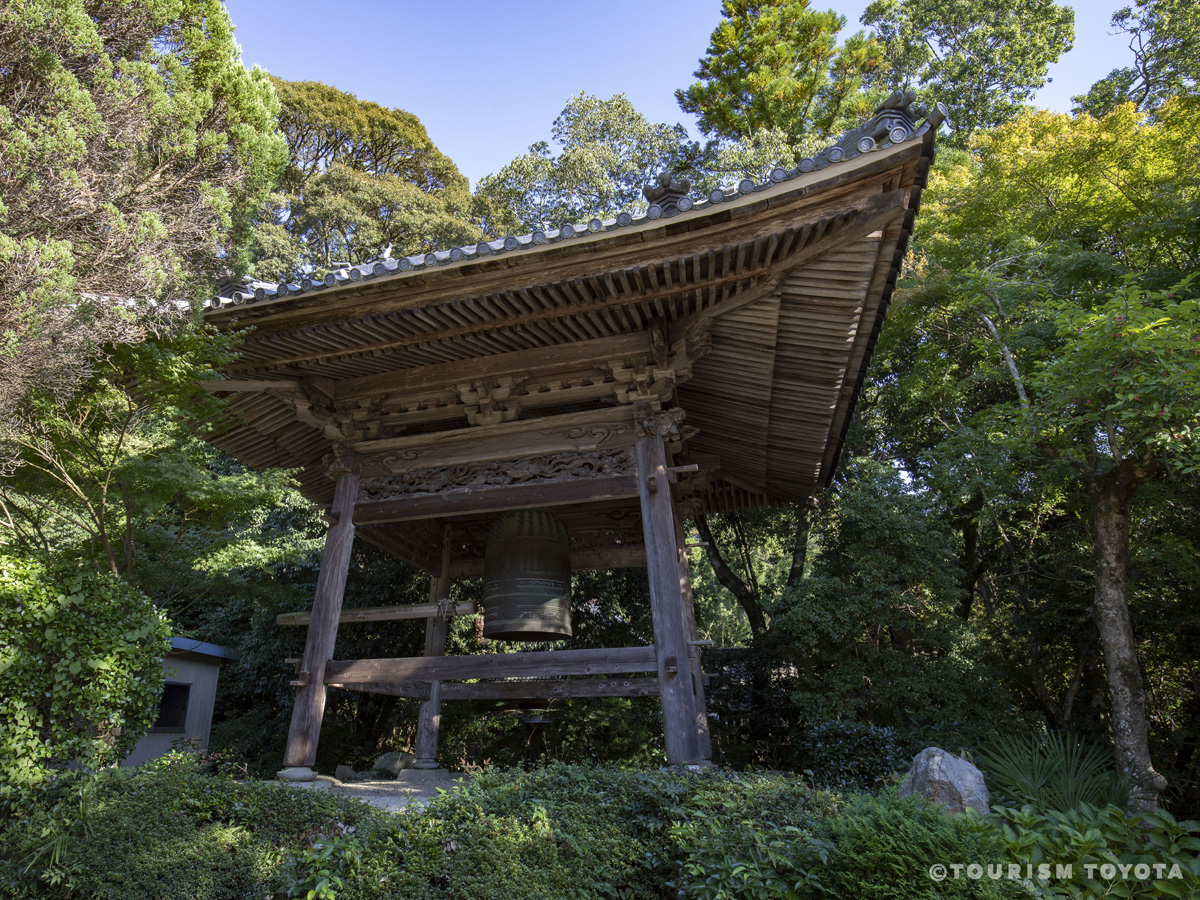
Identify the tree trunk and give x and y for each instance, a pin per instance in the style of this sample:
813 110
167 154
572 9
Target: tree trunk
729 579
799 547
1112 494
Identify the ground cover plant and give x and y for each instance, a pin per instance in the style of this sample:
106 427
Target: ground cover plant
174 829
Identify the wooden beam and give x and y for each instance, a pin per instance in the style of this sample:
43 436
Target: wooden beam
619 556
500 499
673 661
605 661
249 385
537 363
543 436
699 703
519 690
379 613
305 728
429 717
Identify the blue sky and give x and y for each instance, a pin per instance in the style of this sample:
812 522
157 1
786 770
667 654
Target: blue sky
487 78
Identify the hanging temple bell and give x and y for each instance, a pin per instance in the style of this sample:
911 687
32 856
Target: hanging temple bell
527 578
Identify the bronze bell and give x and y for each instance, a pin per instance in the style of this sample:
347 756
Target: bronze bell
527 578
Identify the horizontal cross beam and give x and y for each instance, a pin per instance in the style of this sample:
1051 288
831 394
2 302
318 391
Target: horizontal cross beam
540 362
518 690
603 661
379 613
498 499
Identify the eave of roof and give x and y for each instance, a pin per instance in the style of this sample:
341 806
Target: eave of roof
893 124
188 645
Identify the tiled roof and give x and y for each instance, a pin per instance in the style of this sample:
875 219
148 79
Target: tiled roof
896 121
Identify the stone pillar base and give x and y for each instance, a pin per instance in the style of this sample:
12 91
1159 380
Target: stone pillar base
425 764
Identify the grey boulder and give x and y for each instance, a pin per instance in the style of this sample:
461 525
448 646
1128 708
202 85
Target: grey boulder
345 773
395 761
946 779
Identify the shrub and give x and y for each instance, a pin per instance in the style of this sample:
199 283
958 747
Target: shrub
163 831
169 831
80 669
1089 836
853 755
1051 772
885 845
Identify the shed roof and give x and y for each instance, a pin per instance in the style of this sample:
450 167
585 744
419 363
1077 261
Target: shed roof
203 648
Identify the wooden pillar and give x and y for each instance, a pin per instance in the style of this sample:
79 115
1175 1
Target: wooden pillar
689 609
666 586
429 720
305 730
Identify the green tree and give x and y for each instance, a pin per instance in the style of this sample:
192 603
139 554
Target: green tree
134 149
116 474
982 58
608 153
873 632
80 669
361 180
776 64
1164 36
1057 248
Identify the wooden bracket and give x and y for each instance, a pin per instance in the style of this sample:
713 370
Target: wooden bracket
301 680
652 484
331 518
672 665
673 472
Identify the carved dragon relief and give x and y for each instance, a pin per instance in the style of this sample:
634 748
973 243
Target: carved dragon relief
557 467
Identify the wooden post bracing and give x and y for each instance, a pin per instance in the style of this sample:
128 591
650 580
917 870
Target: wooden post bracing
305 729
429 720
666 586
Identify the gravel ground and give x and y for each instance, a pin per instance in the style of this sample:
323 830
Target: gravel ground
412 787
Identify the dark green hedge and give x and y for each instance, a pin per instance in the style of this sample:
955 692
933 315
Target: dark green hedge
564 832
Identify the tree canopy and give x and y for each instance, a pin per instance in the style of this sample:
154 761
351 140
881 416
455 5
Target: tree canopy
361 178
1164 37
982 58
134 150
778 64
1055 343
608 153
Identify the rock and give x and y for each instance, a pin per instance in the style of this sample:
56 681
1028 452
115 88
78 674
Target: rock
297 774
395 761
345 773
944 778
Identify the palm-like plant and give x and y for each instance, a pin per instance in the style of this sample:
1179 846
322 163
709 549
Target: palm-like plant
1050 771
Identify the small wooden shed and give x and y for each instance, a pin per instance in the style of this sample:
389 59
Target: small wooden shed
625 373
185 711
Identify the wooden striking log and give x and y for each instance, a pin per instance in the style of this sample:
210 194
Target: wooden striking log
666 591
305 729
379 613
517 690
605 661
